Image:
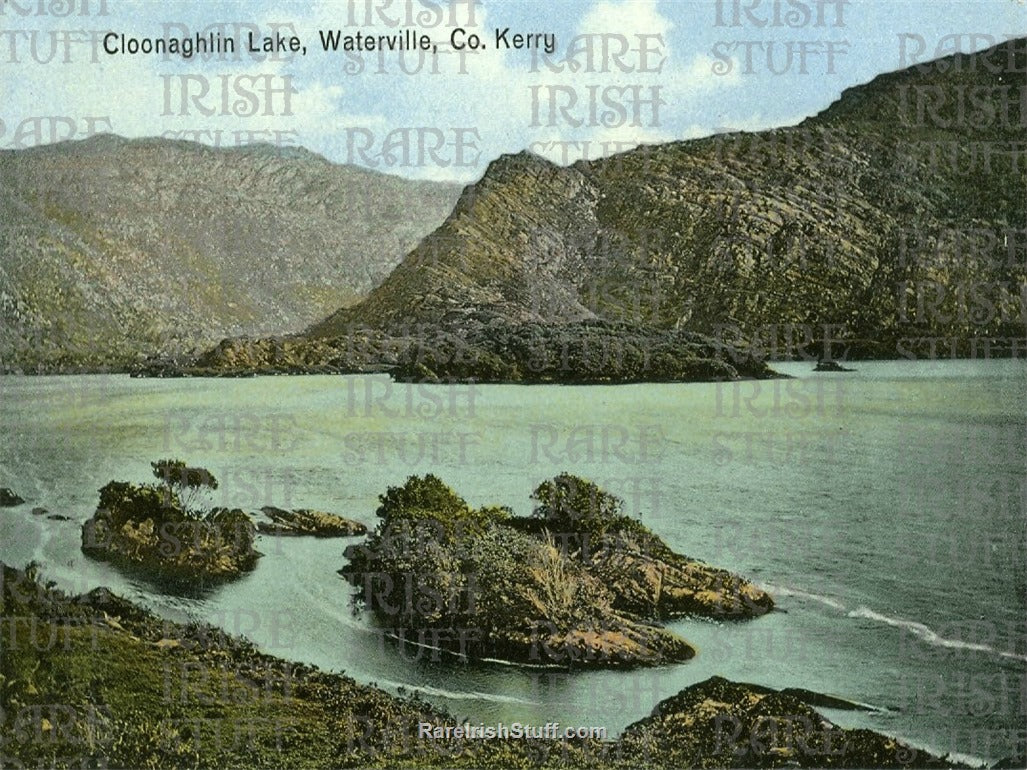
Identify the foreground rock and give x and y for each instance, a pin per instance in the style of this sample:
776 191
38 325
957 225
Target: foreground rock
719 723
565 588
148 527
303 521
8 499
105 684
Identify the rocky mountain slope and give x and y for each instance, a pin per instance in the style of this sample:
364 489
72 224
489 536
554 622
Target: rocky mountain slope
112 249
896 214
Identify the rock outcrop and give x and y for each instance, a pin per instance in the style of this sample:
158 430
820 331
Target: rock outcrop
8 499
831 366
216 548
651 580
148 527
718 723
303 521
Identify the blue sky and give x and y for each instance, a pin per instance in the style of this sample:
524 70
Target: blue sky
484 103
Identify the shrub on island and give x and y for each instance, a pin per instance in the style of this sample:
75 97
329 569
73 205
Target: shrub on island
164 528
578 583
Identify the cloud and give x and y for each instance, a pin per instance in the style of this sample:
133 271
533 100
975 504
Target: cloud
509 99
626 17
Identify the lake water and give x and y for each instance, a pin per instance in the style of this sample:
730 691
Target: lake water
884 508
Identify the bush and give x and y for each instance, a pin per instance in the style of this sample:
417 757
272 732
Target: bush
418 494
134 502
428 500
190 484
572 504
175 499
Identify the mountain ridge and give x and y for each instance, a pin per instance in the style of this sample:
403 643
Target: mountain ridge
112 249
807 226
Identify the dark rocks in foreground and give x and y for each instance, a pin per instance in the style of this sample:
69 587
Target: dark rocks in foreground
8 499
719 723
303 521
235 706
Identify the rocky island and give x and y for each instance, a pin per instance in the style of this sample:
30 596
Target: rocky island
719 723
160 529
578 584
485 347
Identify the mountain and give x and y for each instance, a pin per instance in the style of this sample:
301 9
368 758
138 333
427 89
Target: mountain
112 249
896 214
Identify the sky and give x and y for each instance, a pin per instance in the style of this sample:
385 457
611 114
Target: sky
623 72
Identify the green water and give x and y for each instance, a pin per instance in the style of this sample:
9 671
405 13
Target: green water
885 509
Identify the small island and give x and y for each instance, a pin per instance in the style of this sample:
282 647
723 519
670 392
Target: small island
720 723
163 529
830 365
577 584
483 346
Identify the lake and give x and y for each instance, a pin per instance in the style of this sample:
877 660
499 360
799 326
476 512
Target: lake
883 508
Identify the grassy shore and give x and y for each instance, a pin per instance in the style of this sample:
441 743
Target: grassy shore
96 681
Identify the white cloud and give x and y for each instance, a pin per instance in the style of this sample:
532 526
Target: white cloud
626 17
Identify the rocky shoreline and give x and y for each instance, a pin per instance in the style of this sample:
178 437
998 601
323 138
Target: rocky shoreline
173 695
304 521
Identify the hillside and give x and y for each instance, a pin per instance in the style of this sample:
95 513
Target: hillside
896 214
114 249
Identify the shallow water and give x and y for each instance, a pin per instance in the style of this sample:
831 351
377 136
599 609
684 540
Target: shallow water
884 508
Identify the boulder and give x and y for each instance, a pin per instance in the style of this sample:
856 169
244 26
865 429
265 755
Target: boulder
831 366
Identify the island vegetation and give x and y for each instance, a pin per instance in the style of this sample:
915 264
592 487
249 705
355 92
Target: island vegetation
165 528
576 584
